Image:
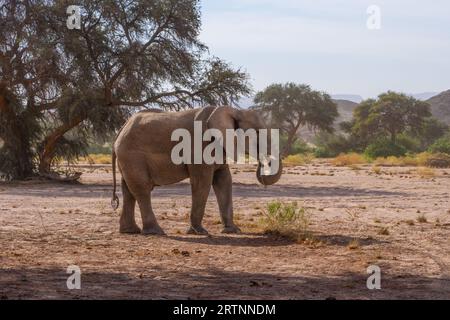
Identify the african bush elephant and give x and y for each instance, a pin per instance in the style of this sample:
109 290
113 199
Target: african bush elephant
143 151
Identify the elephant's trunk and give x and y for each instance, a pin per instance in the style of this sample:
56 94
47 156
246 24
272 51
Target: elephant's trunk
268 179
269 172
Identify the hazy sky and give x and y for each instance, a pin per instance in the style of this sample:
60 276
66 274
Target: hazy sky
327 44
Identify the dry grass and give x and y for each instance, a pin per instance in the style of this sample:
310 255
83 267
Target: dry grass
422 219
384 231
420 159
298 159
98 159
376 169
425 172
353 245
349 159
287 220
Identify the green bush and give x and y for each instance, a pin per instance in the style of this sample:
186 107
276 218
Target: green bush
287 220
330 145
384 148
299 146
409 143
441 145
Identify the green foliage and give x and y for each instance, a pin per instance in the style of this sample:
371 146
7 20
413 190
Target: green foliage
410 143
330 145
390 115
287 219
442 145
298 147
99 148
433 129
126 57
384 147
291 106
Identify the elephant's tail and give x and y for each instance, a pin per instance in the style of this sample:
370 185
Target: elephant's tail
115 198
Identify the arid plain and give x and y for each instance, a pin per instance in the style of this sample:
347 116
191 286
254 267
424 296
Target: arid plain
397 218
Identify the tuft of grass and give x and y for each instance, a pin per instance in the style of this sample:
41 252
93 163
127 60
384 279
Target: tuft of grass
287 220
422 219
298 159
376 169
348 159
426 172
353 245
384 231
410 222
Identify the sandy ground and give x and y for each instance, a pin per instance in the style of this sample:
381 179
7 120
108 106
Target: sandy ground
46 226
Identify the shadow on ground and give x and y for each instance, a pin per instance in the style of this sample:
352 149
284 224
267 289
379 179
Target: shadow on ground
183 189
261 240
212 284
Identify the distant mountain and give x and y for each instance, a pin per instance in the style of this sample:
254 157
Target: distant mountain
345 109
350 97
440 106
424 95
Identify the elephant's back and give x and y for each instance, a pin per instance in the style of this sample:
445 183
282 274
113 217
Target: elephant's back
150 131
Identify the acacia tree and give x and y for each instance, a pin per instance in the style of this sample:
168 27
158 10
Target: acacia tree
127 55
28 73
290 107
391 114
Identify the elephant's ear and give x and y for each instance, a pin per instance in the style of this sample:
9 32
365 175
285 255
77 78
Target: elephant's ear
223 118
203 116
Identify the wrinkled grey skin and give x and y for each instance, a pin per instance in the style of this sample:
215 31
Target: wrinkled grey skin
143 150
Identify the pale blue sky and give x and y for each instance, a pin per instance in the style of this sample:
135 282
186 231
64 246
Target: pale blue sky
326 43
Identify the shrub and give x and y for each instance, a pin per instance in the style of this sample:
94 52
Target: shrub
298 159
384 148
98 159
348 159
299 146
441 145
409 143
287 220
438 160
425 172
408 160
330 145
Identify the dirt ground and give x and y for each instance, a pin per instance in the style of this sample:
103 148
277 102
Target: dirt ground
359 218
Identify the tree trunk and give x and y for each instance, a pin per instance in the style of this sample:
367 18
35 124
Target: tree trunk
49 144
289 143
393 136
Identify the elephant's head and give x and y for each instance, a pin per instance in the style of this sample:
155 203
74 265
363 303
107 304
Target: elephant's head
223 118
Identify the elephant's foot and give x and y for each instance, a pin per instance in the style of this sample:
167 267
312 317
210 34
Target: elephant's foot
154 230
198 230
130 229
231 229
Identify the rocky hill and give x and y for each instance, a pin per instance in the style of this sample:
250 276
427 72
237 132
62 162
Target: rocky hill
440 106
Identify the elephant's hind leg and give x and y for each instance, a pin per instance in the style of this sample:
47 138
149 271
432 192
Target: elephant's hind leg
127 221
140 186
150 225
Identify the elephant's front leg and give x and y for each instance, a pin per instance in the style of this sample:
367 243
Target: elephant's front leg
222 184
201 181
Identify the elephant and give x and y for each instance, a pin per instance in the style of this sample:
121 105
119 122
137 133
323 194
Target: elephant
143 152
